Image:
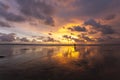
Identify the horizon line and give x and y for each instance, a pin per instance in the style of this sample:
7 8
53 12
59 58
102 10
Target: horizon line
63 44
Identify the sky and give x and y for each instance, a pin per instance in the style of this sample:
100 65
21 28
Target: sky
62 21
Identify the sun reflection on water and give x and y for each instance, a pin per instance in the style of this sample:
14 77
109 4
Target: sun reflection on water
67 58
55 61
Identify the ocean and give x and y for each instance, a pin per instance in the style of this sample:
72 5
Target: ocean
75 62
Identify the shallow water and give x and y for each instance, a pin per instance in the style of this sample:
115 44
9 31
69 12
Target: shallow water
18 62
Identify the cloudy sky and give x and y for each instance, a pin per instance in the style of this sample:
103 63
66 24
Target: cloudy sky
59 20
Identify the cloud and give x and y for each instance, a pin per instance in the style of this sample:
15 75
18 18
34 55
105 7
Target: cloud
2 33
105 29
3 6
80 39
4 24
110 17
67 37
49 21
77 40
12 37
91 8
7 37
40 37
105 38
13 17
78 28
84 9
8 15
49 39
45 38
71 38
37 9
49 33
85 37
24 39
92 22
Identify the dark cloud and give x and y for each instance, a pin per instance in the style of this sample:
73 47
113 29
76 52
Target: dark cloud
33 23
49 33
91 38
78 28
7 37
67 37
105 29
40 37
45 39
104 38
2 34
12 37
100 39
84 9
93 23
9 16
4 24
34 40
84 37
13 17
92 32
91 8
74 39
110 17
70 38
3 6
49 21
77 40
24 39
87 38
37 9
49 39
